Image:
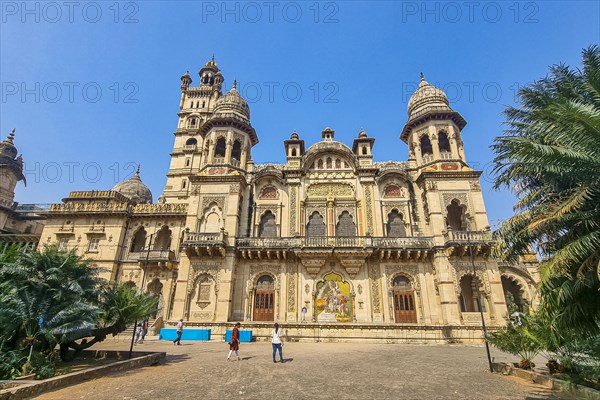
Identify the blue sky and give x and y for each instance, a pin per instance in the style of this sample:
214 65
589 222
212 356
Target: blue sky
93 87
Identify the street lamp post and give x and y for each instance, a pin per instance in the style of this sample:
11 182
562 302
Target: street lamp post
487 346
142 289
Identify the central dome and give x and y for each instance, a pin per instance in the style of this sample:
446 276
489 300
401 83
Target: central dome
233 103
134 189
427 97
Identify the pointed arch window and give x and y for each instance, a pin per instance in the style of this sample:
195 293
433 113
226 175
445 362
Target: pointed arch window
329 163
236 152
316 225
163 239
139 240
220 148
345 225
395 225
456 218
320 164
426 145
444 143
268 226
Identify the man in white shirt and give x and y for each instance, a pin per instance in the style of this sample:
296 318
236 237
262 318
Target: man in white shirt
276 335
179 332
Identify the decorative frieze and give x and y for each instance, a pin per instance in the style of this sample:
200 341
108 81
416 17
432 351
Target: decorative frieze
375 298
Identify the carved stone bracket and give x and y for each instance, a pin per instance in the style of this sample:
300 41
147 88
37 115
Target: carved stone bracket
352 267
313 266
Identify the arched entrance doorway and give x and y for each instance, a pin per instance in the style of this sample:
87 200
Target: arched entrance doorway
405 310
264 299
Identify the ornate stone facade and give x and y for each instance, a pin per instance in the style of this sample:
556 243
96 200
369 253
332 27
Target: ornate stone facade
350 239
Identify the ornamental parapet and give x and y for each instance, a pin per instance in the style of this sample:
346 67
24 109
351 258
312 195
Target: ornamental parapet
72 207
166 208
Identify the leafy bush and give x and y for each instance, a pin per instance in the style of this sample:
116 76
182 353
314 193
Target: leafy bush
518 340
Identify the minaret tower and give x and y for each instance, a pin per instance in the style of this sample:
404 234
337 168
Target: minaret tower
11 172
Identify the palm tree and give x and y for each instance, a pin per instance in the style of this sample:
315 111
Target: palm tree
550 157
50 298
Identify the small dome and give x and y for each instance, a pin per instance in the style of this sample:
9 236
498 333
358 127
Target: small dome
294 136
134 189
211 64
362 134
232 103
427 96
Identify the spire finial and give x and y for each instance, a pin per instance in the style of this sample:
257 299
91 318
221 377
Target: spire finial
137 171
422 76
213 58
11 135
235 84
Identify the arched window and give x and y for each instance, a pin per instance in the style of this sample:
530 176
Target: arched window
211 222
192 123
316 225
426 145
163 239
444 143
139 240
456 216
395 225
220 148
364 151
294 152
392 191
236 152
469 286
320 164
512 295
191 142
345 225
402 283
338 163
329 165
268 193
268 226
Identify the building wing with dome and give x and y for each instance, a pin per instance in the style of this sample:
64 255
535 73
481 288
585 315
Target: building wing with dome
369 249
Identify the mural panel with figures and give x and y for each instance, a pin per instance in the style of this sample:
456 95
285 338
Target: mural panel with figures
333 301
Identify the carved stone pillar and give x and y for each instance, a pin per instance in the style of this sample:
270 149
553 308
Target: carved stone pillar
435 145
330 219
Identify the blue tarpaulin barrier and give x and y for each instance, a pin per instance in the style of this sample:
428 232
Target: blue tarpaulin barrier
188 334
245 336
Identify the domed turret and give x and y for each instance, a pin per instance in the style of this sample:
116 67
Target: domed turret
7 147
232 104
208 72
134 189
186 80
427 97
294 136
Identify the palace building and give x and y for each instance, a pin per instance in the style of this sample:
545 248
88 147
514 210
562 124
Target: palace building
328 239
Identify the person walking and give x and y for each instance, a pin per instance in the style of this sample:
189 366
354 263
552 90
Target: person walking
138 332
276 335
234 343
179 332
144 329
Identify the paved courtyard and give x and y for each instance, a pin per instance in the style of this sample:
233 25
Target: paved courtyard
312 371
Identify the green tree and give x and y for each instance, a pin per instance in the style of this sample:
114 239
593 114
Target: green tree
550 157
50 298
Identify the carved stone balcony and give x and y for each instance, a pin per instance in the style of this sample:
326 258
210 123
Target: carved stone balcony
278 247
160 257
458 242
204 244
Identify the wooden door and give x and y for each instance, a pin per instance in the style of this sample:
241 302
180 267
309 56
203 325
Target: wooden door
264 305
404 306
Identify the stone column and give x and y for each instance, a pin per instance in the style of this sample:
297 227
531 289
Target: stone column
330 218
435 144
446 288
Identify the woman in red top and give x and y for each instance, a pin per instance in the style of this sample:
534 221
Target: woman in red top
234 343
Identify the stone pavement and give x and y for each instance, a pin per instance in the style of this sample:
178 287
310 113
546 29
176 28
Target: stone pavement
312 371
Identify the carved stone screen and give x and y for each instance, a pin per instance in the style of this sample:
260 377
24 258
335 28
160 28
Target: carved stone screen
395 225
267 227
316 225
345 226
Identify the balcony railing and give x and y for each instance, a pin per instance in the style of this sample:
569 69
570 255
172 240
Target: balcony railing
335 241
152 255
194 238
464 237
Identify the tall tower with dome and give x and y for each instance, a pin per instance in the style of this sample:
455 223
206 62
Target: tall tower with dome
365 246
